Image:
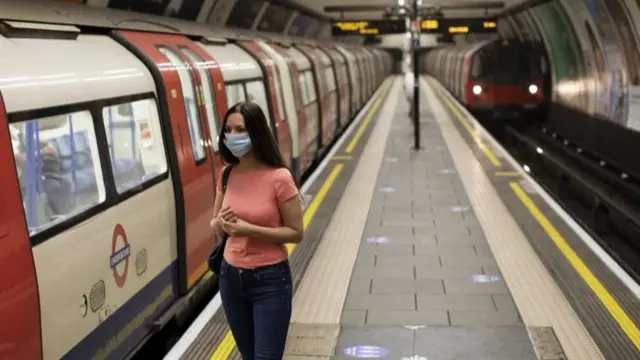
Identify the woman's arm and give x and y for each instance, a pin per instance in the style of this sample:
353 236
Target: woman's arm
292 228
217 205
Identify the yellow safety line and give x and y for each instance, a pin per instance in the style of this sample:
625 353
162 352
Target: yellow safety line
627 325
509 173
608 301
356 138
475 135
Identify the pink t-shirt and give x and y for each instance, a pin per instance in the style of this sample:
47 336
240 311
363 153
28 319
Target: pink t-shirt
255 196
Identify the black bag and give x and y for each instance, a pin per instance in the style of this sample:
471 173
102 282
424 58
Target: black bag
215 259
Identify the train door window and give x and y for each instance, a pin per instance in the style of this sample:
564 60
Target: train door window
190 103
58 168
331 81
257 94
311 86
304 89
207 89
235 94
279 94
136 146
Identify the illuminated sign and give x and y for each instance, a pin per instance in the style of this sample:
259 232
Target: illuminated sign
459 26
427 26
368 27
489 25
458 29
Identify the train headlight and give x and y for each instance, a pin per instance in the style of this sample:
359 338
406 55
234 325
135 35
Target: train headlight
477 89
533 89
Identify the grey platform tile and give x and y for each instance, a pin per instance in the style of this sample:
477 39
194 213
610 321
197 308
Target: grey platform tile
380 302
387 249
431 272
412 240
407 317
455 302
471 222
409 223
454 260
443 231
365 260
387 232
360 285
391 342
439 249
504 302
467 286
407 286
406 271
436 216
353 317
474 343
467 238
484 318
420 260
483 249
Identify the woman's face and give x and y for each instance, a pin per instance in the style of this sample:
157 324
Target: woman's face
235 124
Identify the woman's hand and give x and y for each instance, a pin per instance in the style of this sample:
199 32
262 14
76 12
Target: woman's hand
225 214
238 227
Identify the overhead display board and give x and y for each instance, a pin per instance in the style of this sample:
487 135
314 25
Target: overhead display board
427 26
459 26
368 27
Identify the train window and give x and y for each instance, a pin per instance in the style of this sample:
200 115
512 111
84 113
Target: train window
311 88
207 88
256 93
58 168
134 138
331 81
190 103
235 94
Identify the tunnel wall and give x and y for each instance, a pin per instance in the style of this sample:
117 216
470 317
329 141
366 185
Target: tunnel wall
594 54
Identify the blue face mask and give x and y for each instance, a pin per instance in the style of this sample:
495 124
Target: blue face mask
238 144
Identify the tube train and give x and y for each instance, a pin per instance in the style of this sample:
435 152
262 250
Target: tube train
109 144
495 78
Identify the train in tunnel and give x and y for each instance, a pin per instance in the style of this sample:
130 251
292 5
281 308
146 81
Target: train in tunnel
109 143
495 78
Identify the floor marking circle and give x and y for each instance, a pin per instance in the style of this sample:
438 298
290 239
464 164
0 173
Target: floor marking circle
119 255
366 351
378 240
482 278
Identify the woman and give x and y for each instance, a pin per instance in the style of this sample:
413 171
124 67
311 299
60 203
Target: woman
261 211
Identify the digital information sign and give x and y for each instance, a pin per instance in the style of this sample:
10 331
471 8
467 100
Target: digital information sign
368 27
427 26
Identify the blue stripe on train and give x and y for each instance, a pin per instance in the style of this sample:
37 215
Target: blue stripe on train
125 328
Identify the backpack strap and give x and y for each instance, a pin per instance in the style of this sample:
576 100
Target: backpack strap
225 177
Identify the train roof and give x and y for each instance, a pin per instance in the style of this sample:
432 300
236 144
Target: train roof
105 18
235 63
41 73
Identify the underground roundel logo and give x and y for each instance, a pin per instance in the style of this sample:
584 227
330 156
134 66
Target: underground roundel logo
120 252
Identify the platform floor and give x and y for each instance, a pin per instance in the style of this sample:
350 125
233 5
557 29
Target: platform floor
450 252
425 282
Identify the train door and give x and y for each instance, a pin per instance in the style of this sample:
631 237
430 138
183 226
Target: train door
182 100
326 122
293 106
19 303
274 93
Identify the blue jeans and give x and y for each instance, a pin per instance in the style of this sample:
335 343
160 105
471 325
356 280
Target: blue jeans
257 303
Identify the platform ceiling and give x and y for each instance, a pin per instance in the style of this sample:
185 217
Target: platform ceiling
318 5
